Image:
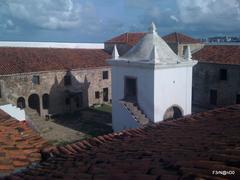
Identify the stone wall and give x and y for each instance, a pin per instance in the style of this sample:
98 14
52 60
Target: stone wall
206 76
85 81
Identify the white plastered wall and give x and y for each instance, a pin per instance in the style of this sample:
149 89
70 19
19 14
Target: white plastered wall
172 87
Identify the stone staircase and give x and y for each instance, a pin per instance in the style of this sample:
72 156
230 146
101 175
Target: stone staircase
136 112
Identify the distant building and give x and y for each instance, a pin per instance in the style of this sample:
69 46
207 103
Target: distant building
223 39
54 80
150 83
216 78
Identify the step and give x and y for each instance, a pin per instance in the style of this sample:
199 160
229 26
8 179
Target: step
138 114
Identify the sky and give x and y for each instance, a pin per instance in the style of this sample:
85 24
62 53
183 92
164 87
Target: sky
99 20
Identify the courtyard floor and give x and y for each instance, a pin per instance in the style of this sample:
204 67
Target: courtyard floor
68 128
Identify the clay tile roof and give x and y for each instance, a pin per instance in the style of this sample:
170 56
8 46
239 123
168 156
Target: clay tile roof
22 60
180 38
19 145
219 54
132 39
187 148
127 38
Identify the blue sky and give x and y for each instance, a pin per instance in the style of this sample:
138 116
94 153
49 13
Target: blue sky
99 20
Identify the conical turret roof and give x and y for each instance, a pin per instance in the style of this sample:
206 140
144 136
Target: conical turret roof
151 44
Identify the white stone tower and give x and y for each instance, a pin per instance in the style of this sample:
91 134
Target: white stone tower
150 83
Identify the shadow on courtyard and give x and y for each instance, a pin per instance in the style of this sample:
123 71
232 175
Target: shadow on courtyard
69 118
89 121
71 96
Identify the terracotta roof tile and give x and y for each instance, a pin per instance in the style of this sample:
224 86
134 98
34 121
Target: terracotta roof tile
131 38
22 60
127 38
188 148
19 145
219 54
180 38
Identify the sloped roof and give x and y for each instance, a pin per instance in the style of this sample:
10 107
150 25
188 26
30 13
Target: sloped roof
19 145
180 38
219 54
23 60
151 47
190 147
129 38
132 38
51 45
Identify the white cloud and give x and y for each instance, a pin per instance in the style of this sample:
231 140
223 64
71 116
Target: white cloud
221 12
174 18
49 14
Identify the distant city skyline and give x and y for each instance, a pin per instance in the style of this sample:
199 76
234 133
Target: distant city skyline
97 21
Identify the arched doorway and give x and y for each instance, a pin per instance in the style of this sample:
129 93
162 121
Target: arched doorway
34 102
45 101
21 103
173 112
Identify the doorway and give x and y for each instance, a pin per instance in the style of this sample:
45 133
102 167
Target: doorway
34 102
173 112
105 94
21 103
130 90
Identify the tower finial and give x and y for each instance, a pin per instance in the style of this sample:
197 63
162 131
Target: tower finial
188 54
152 28
115 54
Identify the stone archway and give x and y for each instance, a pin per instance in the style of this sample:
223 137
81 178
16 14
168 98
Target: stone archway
173 112
21 103
34 102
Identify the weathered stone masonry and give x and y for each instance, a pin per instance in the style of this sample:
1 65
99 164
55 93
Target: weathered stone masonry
86 82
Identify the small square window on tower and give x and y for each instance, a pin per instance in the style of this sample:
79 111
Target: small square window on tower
223 74
105 74
36 79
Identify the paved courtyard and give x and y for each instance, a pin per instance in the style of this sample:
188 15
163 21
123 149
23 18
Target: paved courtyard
68 128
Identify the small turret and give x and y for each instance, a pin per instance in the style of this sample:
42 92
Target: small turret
115 54
188 54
